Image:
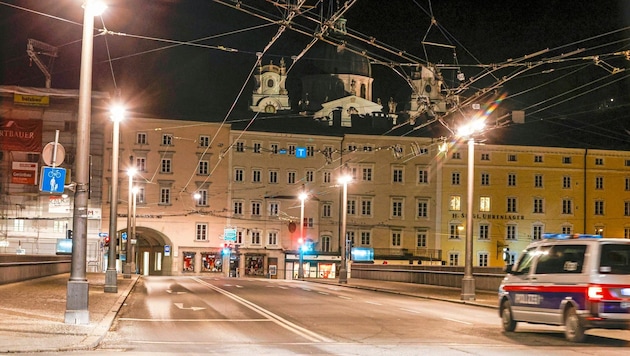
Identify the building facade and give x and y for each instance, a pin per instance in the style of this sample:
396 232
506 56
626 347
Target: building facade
32 221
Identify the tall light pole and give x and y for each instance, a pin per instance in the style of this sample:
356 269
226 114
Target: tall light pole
111 283
343 269
468 282
127 266
132 238
77 294
302 198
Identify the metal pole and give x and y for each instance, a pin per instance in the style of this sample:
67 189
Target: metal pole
127 266
132 239
301 266
468 282
77 294
111 283
343 270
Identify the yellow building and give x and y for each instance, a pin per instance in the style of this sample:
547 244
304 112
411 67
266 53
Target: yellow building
522 192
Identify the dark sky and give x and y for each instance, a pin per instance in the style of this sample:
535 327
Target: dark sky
187 81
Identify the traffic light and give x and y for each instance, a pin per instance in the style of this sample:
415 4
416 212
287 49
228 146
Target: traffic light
68 234
226 249
106 241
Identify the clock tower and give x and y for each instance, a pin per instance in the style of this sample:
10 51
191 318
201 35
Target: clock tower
270 95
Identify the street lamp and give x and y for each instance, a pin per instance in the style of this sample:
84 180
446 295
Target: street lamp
343 270
302 198
127 267
111 286
77 293
468 131
132 239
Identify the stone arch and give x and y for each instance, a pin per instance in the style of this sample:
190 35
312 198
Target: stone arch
153 242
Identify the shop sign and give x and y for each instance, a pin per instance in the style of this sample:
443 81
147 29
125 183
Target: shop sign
31 100
21 135
24 173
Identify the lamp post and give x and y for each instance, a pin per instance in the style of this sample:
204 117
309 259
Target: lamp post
302 197
343 269
468 282
111 285
127 266
132 239
77 293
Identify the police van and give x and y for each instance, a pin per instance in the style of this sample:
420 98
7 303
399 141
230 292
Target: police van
578 281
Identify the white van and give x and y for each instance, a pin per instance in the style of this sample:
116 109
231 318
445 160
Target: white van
579 281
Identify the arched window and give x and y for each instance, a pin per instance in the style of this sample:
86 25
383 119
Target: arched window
325 245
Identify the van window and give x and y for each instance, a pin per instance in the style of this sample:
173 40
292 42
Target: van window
615 259
562 259
524 263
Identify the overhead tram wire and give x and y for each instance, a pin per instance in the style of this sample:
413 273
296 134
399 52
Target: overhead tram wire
259 56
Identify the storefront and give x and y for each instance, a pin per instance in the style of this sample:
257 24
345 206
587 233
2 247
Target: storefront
315 266
208 261
211 262
254 265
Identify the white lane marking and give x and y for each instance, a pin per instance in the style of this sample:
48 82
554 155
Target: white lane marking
283 287
181 306
373 303
323 293
278 320
344 297
237 286
458 321
196 320
411 311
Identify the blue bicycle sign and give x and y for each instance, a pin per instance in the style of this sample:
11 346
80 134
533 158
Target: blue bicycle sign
53 179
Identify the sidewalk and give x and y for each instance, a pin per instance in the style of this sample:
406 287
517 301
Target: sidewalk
32 312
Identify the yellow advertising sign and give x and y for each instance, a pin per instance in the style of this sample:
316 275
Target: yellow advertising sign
31 100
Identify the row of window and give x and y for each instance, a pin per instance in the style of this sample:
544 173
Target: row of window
511 180
511 231
166 166
363 173
455 204
360 206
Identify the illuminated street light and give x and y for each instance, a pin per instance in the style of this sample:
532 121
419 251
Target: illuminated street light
127 266
343 269
77 311
468 131
111 283
132 239
302 198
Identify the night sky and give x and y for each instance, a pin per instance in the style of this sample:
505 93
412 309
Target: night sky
202 82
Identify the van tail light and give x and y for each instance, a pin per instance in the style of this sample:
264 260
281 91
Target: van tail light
595 293
601 292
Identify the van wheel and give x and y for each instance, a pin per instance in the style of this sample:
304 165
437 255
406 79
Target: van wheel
573 328
509 324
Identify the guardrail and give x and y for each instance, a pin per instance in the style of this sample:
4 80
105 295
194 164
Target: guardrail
15 268
486 278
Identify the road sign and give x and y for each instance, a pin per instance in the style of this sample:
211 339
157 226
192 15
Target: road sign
167 250
103 234
124 236
52 179
300 152
229 234
49 151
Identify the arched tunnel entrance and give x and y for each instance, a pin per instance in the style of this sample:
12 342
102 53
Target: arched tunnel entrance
152 258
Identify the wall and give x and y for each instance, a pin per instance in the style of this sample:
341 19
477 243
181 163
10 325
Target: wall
485 278
15 268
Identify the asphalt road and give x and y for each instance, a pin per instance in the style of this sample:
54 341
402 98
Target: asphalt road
198 315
